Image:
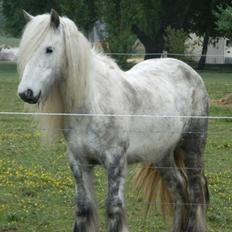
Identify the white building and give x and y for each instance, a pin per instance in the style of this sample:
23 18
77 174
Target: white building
219 50
8 54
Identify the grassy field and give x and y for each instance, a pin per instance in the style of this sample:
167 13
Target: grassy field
36 185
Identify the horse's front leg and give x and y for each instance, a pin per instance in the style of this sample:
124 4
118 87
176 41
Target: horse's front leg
86 212
116 210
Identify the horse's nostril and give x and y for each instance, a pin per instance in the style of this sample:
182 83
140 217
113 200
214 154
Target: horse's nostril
29 93
28 96
22 95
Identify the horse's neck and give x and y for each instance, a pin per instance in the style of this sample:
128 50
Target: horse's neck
106 77
98 81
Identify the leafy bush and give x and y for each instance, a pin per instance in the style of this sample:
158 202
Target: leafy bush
175 40
224 22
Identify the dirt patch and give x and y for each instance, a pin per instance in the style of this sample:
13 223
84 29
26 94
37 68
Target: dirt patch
226 101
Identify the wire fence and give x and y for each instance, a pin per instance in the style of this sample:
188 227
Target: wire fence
114 115
217 62
146 116
224 204
131 130
210 58
166 54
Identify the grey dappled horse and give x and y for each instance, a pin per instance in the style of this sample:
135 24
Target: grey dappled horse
149 114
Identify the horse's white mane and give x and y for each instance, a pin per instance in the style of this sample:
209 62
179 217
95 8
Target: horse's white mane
76 69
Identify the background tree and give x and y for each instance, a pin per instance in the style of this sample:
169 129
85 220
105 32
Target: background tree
202 21
12 11
82 12
116 14
152 19
175 40
149 20
2 19
127 20
224 21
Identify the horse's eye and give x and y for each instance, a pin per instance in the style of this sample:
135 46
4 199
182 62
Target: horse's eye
49 50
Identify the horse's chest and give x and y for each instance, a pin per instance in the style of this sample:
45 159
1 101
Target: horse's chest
92 138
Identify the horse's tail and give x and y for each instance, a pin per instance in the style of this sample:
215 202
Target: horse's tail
150 183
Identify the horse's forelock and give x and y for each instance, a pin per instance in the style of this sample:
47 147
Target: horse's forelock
33 35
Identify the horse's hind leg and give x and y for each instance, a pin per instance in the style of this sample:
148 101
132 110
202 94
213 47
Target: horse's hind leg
193 147
177 187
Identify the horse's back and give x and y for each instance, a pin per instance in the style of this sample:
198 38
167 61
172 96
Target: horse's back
166 89
167 69
169 82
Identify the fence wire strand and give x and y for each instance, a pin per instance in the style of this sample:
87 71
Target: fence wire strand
113 115
165 54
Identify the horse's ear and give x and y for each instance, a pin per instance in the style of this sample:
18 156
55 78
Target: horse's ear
27 16
55 19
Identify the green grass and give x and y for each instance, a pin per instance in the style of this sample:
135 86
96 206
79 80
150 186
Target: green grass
36 185
218 84
9 41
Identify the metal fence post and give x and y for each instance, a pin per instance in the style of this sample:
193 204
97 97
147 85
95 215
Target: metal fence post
164 54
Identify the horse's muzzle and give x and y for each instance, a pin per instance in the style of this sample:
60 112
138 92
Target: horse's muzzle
28 96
